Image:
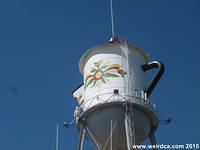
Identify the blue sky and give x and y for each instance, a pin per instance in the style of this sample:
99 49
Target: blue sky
42 41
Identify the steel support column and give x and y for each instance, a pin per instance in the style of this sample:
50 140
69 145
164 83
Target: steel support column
82 137
153 140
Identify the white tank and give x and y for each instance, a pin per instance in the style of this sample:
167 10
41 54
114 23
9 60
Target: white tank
109 67
114 75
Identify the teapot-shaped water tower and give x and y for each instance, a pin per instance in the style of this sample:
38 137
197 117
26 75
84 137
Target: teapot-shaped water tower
114 110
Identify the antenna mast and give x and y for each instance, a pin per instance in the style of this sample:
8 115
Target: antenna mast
112 21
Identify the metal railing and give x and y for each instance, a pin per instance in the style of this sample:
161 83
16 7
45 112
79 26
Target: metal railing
112 97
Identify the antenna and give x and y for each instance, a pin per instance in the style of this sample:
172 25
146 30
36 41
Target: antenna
112 21
57 137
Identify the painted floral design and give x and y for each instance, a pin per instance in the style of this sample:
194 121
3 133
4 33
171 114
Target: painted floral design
101 72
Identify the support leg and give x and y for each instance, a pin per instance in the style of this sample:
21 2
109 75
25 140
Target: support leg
82 136
111 130
153 139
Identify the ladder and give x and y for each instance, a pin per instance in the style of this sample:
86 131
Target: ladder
129 114
129 126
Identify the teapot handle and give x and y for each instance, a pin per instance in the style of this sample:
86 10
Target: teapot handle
160 70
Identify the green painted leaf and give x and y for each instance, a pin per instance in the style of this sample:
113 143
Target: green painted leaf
94 70
98 83
90 82
94 83
110 75
103 80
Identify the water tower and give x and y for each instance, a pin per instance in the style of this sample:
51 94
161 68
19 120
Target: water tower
114 110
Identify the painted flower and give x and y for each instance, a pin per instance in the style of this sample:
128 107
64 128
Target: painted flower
101 72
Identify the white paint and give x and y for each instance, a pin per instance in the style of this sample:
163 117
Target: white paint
129 58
